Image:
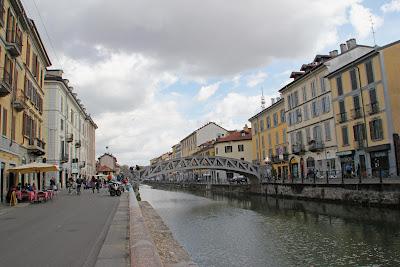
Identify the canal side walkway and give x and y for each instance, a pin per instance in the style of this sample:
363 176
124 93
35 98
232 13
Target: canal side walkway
137 236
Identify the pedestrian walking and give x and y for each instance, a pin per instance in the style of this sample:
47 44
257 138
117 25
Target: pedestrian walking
98 185
93 183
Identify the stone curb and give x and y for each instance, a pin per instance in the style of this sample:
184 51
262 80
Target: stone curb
142 248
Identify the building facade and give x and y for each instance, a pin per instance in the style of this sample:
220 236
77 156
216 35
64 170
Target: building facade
190 144
70 130
107 164
23 60
310 117
269 142
366 100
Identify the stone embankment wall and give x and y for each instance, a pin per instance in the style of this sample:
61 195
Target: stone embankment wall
370 196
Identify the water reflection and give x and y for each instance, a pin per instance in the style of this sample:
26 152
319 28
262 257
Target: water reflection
220 230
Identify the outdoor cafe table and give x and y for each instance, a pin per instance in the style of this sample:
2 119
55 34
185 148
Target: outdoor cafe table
30 194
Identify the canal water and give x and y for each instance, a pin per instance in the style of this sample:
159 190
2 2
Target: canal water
257 231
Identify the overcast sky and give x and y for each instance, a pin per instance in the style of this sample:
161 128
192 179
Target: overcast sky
152 71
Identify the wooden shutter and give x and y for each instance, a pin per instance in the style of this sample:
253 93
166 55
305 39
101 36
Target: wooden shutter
28 53
5 122
13 128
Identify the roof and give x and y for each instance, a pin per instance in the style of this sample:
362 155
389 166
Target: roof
363 57
108 154
280 101
211 122
235 136
101 168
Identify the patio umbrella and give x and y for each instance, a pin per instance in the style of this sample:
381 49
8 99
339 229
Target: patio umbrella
34 167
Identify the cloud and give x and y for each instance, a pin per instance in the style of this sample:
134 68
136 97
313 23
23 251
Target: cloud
256 79
198 38
206 92
392 6
361 18
234 110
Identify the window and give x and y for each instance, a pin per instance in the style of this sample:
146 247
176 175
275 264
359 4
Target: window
372 96
314 109
317 133
328 134
345 136
13 128
325 104
268 122
284 136
28 53
308 134
353 79
62 125
313 89
240 148
303 89
339 85
4 122
322 82
275 116
298 115
269 139
276 137
262 125
296 99
376 129
306 113
359 132
370 72
283 118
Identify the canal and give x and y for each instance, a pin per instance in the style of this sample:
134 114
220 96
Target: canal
258 231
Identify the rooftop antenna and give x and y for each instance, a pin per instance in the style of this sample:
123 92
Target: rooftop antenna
372 28
262 98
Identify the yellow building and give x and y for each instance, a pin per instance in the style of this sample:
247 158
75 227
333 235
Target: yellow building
23 60
366 101
269 142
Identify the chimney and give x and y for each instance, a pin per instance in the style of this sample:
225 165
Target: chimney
272 101
351 43
343 48
334 53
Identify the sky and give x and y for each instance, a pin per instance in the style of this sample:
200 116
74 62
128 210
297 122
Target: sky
152 71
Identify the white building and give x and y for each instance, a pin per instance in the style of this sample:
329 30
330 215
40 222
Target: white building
69 130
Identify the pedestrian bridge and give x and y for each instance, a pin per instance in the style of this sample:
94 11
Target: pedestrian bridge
242 167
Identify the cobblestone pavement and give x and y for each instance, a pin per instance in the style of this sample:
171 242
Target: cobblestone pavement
66 231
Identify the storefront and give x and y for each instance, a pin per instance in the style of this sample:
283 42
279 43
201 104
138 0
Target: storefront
380 165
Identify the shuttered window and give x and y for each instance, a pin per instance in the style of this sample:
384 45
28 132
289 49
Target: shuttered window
370 72
376 129
4 132
353 79
339 85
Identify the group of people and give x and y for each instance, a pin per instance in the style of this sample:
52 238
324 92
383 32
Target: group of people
94 183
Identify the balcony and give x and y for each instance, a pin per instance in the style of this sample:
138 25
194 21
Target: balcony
69 137
298 149
6 83
64 158
360 144
13 43
356 113
37 147
342 117
280 158
19 102
315 145
78 144
373 108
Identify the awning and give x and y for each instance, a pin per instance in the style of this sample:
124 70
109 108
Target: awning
34 167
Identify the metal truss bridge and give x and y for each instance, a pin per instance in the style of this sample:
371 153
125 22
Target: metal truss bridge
200 163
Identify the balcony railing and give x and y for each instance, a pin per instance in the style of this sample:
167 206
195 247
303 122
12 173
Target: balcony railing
280 158
356 113
19 102
373 108
64 157
6 83
315 145
37 146
69 137
14 43
342 117
298 149
360 144
78 144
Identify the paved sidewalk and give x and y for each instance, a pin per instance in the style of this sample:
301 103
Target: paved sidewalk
115 249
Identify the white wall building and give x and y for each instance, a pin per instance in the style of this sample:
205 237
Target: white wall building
68 130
